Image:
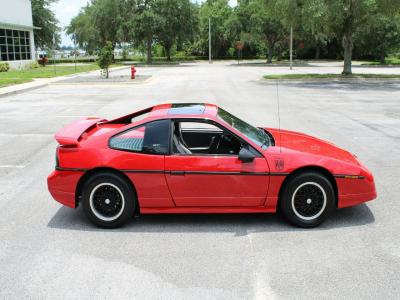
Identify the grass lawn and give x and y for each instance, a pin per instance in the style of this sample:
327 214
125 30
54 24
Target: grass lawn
389 61
21 76
334 76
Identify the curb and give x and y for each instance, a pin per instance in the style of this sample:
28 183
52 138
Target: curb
22 90
49 81
104 83
328 80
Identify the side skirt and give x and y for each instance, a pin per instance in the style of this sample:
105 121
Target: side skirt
205 210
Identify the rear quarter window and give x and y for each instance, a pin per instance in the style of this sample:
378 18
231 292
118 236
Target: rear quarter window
150 138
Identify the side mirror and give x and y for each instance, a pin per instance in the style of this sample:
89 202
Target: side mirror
245 155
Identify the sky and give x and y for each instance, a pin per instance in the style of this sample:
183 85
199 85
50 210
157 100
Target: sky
65 10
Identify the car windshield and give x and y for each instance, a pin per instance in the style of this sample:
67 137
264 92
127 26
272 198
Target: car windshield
257 135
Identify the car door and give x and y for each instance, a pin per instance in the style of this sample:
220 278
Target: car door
216 179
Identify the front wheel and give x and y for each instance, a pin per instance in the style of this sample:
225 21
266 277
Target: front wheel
307 199
108 200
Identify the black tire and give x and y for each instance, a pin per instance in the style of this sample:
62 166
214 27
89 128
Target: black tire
108 200
307 199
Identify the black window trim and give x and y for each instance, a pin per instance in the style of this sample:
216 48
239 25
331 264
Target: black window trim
12 41
137 126
213 122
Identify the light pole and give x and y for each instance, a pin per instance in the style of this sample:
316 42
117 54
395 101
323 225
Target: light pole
54 53
209 40
291 47
75 50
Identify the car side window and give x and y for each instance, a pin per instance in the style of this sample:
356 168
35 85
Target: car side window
201 138
150 138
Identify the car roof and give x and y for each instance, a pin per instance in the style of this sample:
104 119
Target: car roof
183 110
168 111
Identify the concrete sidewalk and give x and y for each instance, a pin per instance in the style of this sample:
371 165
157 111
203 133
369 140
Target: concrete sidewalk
41 82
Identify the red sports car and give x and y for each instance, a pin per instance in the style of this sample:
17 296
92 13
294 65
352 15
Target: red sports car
199 158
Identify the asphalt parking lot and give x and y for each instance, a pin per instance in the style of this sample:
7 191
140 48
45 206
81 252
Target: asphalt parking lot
51 252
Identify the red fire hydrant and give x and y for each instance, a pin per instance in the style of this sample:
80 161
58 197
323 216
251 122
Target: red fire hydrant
133 71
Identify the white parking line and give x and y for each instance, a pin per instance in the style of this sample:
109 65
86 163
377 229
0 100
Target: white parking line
261 287
27 134
9 116
12 166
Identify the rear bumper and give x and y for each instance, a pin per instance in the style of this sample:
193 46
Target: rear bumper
62 186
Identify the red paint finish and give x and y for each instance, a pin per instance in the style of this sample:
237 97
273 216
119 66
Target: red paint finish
356 191
300 150
152 190
70 134
306 144
202 183
208 210
273 191
62 185
228 185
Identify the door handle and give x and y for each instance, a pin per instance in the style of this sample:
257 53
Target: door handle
177 172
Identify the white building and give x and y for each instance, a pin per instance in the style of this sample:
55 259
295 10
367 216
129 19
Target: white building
17 46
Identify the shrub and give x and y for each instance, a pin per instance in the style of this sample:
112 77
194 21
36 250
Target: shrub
180 54
125 54
32 65
78 60
105 57
4 66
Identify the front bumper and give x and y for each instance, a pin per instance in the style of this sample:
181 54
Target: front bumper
355 199
356 191
62 186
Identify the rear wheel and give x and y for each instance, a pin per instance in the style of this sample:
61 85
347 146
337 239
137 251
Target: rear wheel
108 200
307 199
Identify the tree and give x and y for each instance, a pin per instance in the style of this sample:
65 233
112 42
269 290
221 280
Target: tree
144 25
385 37
219 12
176 21
106 56
106 18
262 26
44 18
266 24
315 22
126 12
83 31
99 22
346 16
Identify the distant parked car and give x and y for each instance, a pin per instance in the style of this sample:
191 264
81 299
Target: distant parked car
199 158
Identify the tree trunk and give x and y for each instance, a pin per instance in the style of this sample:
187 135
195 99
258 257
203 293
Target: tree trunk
270 53
179 46
279 55
113 53
216 46
348 41
149 52
348 50
382 58
168 53
107 73
317 52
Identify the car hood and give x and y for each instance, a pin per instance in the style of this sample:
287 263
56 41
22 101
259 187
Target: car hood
308 144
